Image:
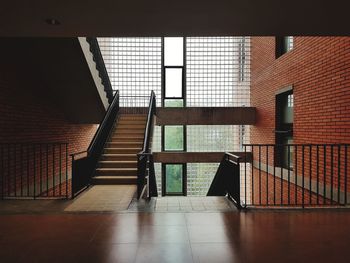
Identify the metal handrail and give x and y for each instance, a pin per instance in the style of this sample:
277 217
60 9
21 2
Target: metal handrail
151 112
144 157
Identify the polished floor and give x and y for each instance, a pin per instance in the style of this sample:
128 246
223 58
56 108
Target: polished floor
253 236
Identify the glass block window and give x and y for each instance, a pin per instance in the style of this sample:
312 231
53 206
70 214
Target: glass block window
217 71
158 172
199 178
212 138
134 66
157 139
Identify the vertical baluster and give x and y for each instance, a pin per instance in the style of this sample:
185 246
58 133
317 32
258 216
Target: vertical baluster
339 174
274 175
41 170
296 174
310 174
60 170
47 169
34 178
21 167
2 171
288 156
267 174
303 174
8 170
345 174
324 172
282 149
245 174
317 173
28 157
15 168
53 169
67 170
332 168
259 174
252 169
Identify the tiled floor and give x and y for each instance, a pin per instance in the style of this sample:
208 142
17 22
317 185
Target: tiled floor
105 198
266 236
190 204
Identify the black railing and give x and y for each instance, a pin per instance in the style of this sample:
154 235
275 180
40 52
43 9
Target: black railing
300 175
100 66
83 168
34 170
145 163
227 179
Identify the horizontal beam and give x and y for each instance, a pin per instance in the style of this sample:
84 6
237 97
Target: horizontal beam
195 157
206 116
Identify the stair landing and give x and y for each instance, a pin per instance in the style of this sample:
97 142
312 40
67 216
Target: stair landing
103 198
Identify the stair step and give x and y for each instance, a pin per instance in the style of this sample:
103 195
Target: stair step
132 122
129 131
121 144
119 157
123 150
117 164
133 117
130 126
110 180
131 137
116 172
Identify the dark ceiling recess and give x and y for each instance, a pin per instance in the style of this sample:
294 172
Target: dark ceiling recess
52 21
174 18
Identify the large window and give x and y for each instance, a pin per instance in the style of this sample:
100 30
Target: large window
184 72
174 71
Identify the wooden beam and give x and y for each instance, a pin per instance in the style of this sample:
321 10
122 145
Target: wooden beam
206 116
195 157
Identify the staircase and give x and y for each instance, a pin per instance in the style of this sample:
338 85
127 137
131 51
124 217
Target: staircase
118 163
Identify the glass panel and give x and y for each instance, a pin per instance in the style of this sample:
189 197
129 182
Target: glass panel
173 51
173 178
173 138
288 104
288 163
173 103
173 82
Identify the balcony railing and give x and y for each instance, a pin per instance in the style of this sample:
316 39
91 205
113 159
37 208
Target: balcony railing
34 170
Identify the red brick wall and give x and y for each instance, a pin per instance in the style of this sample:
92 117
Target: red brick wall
25 117
318 68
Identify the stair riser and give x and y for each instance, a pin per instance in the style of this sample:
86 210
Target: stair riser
119 158
113 181
117 165
121 151
116 173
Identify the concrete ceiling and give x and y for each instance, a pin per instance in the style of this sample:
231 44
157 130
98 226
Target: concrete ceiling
170 18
